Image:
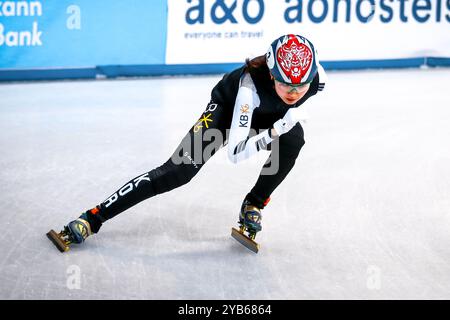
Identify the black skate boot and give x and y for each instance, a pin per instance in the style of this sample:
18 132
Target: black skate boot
76 231
250 219
249 224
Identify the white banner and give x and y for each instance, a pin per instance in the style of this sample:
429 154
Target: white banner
229 31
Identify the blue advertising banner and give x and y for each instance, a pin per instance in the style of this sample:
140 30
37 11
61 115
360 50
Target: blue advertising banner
54 39
81 33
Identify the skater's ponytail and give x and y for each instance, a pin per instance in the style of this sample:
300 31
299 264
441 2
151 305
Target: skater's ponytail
256 62
258 68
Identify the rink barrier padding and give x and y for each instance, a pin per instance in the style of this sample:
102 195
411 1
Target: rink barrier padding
115 71
163 69
375 64
438 62
48 74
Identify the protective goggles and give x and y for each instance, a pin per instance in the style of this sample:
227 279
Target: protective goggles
289 88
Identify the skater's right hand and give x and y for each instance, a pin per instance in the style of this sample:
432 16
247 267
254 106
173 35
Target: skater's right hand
289 120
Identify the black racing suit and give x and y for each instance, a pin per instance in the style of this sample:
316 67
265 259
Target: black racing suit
183 165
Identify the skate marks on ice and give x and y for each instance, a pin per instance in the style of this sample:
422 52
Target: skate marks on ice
370 217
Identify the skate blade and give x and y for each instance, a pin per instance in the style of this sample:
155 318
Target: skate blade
244 240
57 241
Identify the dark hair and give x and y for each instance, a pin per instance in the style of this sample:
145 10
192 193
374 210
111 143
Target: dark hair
255 63
259 70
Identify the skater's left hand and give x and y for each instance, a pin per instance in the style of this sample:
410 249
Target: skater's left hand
289 120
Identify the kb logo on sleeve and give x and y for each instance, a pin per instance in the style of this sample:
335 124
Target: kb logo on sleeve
243 119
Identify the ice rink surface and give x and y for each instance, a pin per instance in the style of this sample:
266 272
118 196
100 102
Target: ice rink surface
364 214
